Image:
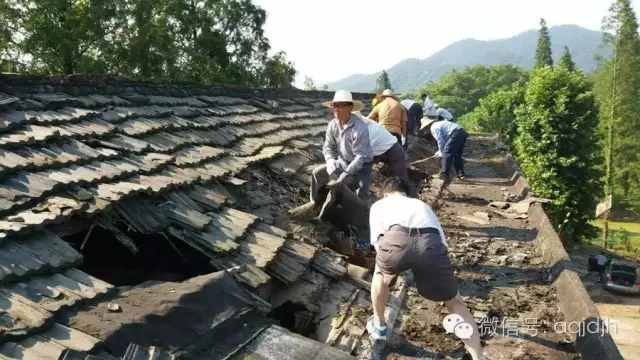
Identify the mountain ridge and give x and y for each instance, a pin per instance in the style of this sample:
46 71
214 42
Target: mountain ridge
411 73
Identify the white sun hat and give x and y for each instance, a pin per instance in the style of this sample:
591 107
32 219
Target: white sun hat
345 96
425 122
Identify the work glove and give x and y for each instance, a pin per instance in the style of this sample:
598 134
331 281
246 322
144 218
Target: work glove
438 154
332 166
342 177
404 141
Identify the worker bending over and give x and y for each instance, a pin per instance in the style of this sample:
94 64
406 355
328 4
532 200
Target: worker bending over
443 114
386 150
429 108
414 114
451 139
346 149
391 115
407 235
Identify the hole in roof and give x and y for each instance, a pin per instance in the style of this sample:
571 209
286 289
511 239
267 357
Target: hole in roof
295 317
108 259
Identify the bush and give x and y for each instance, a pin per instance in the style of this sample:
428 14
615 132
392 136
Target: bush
557 146
495 114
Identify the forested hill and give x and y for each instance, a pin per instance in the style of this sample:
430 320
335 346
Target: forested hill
409 74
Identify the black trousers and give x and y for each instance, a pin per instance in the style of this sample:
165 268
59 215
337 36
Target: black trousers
452 153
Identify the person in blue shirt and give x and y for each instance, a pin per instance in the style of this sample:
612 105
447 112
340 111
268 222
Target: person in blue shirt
451 139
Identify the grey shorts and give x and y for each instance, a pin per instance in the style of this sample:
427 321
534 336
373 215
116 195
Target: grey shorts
423 252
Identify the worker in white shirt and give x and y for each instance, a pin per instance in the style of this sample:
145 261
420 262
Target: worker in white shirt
443 114
386 150
429 108
601 259
451 139
407 235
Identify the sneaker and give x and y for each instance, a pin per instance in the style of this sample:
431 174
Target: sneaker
362 244
376 332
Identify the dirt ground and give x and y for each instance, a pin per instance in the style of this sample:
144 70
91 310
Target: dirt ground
499 273
620 312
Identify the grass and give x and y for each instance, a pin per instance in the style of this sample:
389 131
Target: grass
617 228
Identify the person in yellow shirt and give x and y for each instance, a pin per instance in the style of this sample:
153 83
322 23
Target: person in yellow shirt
389 113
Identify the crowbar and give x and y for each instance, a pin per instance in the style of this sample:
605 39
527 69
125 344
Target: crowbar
423 160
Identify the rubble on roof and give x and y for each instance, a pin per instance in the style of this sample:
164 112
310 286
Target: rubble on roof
170 159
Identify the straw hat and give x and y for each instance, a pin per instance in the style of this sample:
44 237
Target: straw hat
426 122
385 94
388 93
345 96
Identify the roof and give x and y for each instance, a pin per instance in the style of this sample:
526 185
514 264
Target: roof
105 149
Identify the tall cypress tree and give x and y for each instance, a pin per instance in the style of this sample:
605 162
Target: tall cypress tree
543 49
566 60
621 116
383 83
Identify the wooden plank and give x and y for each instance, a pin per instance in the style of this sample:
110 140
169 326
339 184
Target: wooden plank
208 240
181 198
210 199
70 338
275 231
329 263
267 241
246 273
122 237
299 251
338 322
186 218
256 254
286 269
20 319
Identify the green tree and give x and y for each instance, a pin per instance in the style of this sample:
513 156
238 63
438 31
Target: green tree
557 146
207 41
324 87
308 83
543 49
620 112
496 113
278 72
63 36
382 83
566 60
460 91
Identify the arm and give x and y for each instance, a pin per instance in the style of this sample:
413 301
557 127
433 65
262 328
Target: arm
361 149
373 115
403 122
439 136
329 149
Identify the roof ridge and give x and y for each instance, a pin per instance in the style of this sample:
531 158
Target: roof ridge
107 79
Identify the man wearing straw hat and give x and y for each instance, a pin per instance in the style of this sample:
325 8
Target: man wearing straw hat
451 138
391 115
347 148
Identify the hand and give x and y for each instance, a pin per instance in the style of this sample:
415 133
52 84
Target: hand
332 166
438 154
342 177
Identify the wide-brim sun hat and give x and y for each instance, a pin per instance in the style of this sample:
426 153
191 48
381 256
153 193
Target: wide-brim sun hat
426 122
345 96
388 93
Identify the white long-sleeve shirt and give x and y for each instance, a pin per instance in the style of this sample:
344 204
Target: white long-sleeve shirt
444 113
429 108
381 140
397 209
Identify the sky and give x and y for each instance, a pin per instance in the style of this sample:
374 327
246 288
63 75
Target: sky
332 39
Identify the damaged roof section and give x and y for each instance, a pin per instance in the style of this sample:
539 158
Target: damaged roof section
160 158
